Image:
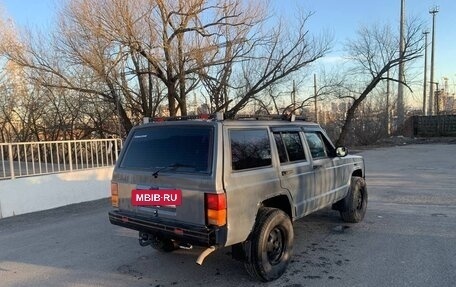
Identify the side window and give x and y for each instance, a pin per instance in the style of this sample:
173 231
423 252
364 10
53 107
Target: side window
250 149
280 147
289 146
316 145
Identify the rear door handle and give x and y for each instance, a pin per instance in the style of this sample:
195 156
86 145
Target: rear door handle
317 166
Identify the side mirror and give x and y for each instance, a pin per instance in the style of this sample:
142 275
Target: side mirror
341 151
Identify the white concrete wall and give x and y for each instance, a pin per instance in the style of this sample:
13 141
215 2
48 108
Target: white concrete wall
29 194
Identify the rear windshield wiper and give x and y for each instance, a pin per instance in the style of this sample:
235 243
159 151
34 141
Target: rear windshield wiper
172 166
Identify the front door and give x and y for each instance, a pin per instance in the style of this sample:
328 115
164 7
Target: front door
296 173
327 186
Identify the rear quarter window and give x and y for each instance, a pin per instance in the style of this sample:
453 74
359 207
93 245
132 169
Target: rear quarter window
250 149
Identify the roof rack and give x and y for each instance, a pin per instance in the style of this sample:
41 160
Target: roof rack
184 118
221 116
282 117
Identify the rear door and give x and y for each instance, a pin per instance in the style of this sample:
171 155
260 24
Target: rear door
168 157
250 176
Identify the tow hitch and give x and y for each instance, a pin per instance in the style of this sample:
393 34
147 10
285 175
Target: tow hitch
145 239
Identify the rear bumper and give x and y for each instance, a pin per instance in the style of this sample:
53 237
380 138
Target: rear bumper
185 233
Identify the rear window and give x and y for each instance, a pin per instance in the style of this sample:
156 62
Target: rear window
171 149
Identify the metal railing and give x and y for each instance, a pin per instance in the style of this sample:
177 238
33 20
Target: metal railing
39 158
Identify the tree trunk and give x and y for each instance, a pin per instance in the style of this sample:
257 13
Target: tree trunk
347 125
124 120
172 94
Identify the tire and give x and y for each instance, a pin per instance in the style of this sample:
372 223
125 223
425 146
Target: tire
354 205
271 245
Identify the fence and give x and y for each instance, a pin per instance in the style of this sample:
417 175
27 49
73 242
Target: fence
39 158
433 126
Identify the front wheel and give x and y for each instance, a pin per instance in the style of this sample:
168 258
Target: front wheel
355 203
271 245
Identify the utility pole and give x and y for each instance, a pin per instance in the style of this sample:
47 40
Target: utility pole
315 95
388 121
433 11
425 71
293 97
400 91
437 95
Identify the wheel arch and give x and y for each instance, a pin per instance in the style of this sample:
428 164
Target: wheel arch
358 172
281 202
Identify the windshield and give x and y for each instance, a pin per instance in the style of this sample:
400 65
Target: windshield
185 149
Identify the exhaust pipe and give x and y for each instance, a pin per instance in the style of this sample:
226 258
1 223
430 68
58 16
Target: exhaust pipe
186 246
204 254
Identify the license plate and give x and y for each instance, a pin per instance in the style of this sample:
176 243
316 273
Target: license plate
156 197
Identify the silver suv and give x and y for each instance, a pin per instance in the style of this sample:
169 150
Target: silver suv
240 183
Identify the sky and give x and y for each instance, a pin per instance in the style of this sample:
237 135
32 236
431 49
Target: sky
38 13
341 18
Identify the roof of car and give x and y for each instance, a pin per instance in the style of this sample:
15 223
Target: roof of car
238 120
232 123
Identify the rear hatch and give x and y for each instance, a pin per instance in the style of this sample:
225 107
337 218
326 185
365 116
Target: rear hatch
170 157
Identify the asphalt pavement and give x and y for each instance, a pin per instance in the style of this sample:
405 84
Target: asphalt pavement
408 238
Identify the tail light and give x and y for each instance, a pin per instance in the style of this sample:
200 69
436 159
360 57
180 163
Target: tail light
216 209
114 194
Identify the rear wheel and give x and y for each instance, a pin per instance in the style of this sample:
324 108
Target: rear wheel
354 205
271 245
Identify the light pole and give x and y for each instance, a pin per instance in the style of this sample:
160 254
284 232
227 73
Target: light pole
433 11
425 71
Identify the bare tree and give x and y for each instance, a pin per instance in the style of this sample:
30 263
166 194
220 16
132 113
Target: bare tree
179 39
272 99
21 109
126 57
132 54
236 43
77 57
374 53
289 97
276 56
